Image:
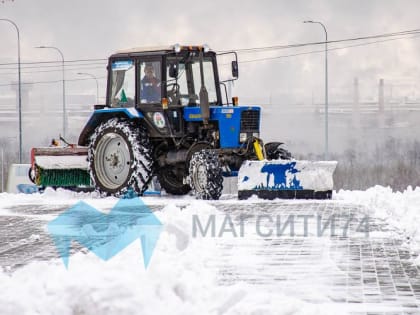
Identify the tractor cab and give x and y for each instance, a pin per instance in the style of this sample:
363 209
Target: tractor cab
160 82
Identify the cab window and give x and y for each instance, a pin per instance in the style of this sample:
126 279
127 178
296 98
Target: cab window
184 81
122 83
208 79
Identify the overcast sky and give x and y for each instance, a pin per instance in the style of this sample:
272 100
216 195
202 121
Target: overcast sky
85 29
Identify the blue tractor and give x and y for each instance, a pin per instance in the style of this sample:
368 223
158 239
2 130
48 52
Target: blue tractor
165 116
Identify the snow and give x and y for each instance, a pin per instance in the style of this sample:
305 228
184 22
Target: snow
400 209
180 278
62 162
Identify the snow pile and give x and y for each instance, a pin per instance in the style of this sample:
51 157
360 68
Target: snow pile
400 209
62 162
49 197
179 280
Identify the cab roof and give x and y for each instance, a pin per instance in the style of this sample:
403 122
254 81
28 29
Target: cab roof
168 48
145 49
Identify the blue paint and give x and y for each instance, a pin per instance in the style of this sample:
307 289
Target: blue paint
122 65
106 234
230 174
228 118
280 172
246 178
101 115
128 112
27 188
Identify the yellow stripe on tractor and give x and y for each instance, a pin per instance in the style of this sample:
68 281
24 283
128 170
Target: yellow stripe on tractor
258 150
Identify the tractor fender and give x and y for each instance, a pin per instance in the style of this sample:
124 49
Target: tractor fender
101 115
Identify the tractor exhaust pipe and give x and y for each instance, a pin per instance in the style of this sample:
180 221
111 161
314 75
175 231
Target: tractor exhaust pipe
204 95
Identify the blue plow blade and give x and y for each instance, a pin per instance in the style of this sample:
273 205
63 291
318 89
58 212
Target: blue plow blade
287 179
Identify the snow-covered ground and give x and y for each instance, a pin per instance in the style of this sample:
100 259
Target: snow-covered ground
184 276
400 209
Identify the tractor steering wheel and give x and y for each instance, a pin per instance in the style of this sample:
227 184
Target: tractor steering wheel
176 98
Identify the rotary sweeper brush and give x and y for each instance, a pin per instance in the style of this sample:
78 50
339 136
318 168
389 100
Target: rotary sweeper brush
165 116
59 167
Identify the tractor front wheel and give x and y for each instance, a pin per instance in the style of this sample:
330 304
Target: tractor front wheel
205 175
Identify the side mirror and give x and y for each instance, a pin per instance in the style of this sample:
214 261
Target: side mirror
235 69
173 71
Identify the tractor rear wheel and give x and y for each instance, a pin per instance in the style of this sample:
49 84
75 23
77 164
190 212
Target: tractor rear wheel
119 157
171 179
205 175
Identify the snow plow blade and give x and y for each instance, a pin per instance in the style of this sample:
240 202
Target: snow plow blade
59 167
287 179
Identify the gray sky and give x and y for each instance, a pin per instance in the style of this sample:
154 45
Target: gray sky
85 29
96 28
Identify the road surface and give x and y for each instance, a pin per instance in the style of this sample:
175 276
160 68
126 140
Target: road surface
362 263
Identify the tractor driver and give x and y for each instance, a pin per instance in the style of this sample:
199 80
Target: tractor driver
150 85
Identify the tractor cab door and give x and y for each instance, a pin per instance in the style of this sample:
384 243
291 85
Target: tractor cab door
151 82
176 93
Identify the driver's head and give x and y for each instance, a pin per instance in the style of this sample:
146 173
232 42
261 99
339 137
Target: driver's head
149 71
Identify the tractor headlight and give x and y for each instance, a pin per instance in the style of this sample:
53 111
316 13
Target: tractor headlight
256 134
177 48
242 137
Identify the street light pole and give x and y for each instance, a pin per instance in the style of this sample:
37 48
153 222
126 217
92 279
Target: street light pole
64 88
326 85
20 90
2 170
96 80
